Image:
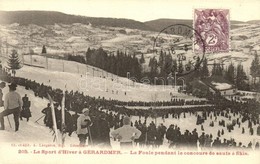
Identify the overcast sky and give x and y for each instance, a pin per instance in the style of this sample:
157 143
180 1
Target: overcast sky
141 10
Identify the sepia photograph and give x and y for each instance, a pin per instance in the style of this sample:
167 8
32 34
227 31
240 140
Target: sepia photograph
110 81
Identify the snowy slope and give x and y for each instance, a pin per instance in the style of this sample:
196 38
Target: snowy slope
33 138
31 132
60 39
80 77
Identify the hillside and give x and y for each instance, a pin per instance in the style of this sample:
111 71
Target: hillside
81 77
63 39
254 22
75 38
50 18
160 24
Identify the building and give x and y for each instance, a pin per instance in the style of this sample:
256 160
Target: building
220 85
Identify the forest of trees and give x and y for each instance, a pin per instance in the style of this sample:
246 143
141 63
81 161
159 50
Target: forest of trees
121 63
167 65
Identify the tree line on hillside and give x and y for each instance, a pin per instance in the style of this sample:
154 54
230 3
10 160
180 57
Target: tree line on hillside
122 63
166 65
238 77
119 64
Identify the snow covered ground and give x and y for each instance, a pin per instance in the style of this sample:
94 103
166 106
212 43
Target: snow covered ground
80 77
60 39
73 75
35 133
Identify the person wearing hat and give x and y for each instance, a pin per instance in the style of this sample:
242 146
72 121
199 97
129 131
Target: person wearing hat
126 134
83 122
47 119
12 104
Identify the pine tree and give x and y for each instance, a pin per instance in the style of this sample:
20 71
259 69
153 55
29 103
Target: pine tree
230 73
88 56
241 77
154 67
142 59
204 69
14 62
168 64
197 68
255 68
174 66
180 67
214 69
161 60
217 69
44 51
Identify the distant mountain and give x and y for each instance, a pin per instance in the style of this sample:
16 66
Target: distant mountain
254 22
160 24
51 17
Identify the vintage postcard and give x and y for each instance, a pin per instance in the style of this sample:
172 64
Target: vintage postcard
129 81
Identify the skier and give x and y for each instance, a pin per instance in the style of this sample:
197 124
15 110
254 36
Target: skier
13 104
83 122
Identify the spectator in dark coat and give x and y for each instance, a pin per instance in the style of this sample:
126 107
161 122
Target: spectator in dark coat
47 119
104 130
26 113
258 130
170 135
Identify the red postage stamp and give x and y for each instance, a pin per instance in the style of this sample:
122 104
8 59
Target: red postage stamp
213 26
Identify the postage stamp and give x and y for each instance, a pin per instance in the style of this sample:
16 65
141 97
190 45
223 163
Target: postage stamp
213 25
